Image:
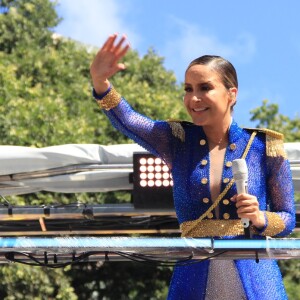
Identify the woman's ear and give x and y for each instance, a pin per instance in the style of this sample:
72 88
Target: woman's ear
233 95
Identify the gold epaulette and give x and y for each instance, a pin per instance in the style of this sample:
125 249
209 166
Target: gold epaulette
177 129
274 142
269 132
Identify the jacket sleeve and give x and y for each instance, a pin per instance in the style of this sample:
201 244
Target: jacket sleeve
155 136
280 218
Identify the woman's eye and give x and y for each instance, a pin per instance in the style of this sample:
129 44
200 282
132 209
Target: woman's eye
188 89
205 88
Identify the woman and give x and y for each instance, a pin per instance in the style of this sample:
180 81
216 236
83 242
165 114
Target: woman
205 198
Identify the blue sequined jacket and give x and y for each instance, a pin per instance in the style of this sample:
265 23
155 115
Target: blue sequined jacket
183 146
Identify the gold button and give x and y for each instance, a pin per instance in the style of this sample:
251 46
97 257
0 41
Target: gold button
226 180
202 142
204 180
225 201
210 215
205 200
226 216
203 162
232 146
228 164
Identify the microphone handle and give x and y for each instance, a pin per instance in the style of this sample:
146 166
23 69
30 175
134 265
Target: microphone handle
242 187
245 221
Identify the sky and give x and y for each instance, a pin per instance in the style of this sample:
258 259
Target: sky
260 37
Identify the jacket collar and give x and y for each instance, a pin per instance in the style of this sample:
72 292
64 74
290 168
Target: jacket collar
235 132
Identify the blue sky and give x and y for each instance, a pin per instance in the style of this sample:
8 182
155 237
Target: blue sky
261 38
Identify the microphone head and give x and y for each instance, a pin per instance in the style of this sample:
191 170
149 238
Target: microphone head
239 169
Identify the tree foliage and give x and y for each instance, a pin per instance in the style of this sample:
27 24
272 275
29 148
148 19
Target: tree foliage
32 283
268 116
45 88
45 99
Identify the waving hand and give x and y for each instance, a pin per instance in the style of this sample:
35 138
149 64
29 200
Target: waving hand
107 62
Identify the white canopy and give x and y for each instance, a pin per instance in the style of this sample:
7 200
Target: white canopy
81 168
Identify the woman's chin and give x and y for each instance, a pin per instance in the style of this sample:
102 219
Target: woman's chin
198 121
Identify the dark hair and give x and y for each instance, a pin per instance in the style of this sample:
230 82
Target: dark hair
222 66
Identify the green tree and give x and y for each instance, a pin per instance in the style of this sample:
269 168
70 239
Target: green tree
121 280
46 93
31 283
291 275
45 99
268 116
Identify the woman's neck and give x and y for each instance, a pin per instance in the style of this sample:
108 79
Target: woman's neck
217 136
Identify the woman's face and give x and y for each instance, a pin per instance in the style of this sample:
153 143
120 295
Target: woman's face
206 99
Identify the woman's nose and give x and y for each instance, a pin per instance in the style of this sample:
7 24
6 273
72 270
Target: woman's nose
196 98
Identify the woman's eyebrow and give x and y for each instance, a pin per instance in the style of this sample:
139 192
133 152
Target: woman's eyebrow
200 83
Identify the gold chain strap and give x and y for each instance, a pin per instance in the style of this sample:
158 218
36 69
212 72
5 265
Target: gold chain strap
230 183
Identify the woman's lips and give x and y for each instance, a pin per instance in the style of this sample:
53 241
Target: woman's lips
199 109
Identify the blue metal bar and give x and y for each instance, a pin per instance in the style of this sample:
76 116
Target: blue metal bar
144 243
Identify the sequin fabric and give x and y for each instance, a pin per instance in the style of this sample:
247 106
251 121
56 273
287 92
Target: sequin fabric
111 100
221 275
211 228
269 180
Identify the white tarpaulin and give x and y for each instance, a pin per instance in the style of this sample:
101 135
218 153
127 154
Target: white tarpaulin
81 168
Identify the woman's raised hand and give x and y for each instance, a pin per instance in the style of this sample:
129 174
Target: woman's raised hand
106 62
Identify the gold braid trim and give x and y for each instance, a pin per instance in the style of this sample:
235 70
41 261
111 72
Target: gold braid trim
177 130
274 142
211 228
275 224
111 100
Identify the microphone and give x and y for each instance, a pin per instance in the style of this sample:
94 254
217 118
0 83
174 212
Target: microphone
240 175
